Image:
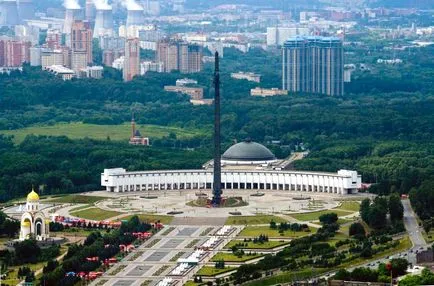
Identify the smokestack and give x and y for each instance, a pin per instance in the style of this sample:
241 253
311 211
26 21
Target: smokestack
26 9
103 22
135 18
9 13
217 190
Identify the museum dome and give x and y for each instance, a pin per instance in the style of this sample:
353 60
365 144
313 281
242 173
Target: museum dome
32 196
248 151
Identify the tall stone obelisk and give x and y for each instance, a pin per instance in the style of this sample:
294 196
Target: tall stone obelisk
217 190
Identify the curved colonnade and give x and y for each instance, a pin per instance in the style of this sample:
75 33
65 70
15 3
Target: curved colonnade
342 182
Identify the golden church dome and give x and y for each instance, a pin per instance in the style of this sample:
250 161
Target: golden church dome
32 196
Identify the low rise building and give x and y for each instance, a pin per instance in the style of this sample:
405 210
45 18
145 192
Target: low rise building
203 101
389 62
118 63
151 66
267 92
185 82
78 60
247 75
60 71
91 72
52 58
193 92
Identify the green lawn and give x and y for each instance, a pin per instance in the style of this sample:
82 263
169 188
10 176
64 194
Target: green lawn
315 215
345 229
250 245
343 220
212 271
80 208
254 231
252 220
75 199
192 283
350 206
151 218
12 276
77 130
230 257
286 277
95 214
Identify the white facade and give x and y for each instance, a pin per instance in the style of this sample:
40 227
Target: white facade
51 58
118 63
343 182
276 36
35 56
151 66
33 222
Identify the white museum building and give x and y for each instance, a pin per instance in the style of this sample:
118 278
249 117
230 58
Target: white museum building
245 165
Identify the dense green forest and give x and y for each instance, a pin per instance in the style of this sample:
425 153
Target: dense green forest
382 127
61 165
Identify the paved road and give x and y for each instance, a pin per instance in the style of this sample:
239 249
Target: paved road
412 226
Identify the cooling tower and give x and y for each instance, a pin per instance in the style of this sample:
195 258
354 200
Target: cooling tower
9 13
135 18
103 23
71 14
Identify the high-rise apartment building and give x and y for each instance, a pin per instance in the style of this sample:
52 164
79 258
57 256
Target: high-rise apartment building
14 53
53 39
81 39
194 59
132 59
313 65
180 56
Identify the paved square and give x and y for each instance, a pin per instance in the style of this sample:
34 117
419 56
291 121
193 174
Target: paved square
187 231
155 261
139 270
124 282
172 243
157 256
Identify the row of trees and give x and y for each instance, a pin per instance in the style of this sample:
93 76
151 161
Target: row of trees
422 199
398 266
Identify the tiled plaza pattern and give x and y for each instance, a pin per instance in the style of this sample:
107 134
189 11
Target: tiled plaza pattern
156 263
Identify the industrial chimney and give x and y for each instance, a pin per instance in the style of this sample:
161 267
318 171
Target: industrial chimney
9 13
103 22
217 188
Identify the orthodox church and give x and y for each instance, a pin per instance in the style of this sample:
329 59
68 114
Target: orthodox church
137 138
33 221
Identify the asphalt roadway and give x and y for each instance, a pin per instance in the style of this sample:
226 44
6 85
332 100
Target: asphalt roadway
412 226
